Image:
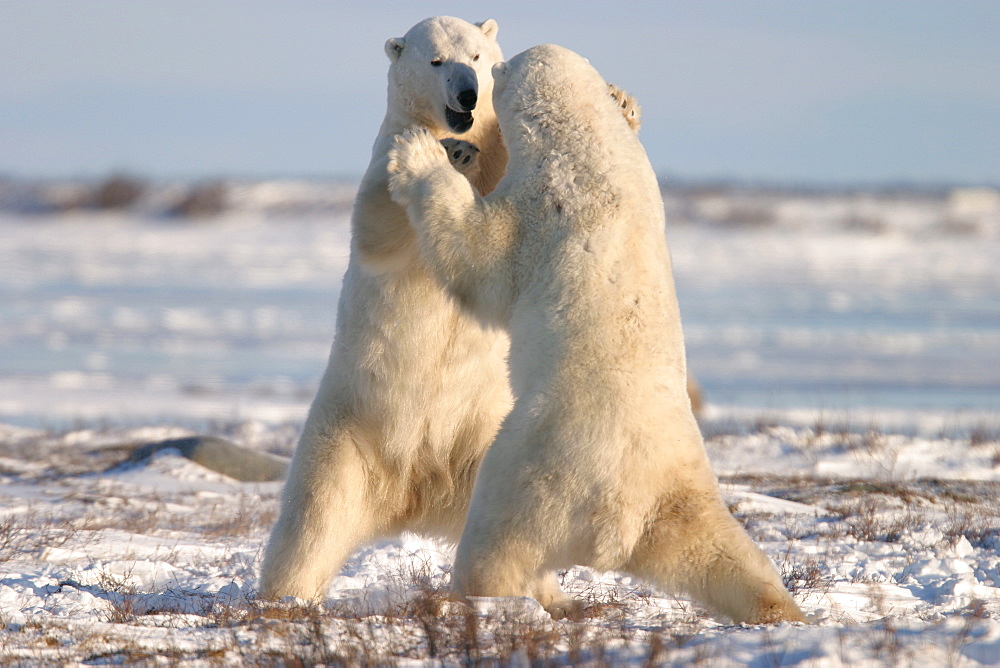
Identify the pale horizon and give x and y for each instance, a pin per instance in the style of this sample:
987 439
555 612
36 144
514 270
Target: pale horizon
896 92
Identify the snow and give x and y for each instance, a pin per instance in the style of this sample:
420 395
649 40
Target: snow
848 345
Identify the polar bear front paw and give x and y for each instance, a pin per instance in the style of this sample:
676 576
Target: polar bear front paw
463 156
415 155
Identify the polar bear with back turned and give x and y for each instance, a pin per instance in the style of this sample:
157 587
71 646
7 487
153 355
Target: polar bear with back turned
600 462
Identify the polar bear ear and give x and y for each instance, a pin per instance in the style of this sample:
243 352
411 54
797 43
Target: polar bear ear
500 71
489 28
394 47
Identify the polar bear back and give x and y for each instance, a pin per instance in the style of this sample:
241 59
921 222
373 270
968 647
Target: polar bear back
592 278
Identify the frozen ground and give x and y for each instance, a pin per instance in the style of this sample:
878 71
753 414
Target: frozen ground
849 347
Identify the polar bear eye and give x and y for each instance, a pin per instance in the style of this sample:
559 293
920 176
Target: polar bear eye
436 62
475 58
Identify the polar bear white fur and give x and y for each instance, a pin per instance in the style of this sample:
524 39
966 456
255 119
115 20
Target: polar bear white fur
415 389
600 462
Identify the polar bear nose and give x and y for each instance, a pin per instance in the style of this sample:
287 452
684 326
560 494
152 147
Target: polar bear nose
467 98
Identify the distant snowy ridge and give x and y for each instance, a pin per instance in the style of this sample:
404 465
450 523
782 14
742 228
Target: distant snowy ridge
176 198
919 211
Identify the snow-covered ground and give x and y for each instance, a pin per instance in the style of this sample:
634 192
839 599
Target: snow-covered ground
848 346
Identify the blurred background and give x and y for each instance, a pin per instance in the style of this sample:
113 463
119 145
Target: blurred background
176 180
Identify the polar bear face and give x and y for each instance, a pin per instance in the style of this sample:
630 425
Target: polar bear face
441 71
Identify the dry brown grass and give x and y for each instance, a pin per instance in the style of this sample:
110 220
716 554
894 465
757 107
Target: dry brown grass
413 618
30 532
11 533
249 517
872 521
121 595
808 576
983 434
977 523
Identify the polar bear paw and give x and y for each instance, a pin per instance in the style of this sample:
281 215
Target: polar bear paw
567 608
463 156
629 106
415 155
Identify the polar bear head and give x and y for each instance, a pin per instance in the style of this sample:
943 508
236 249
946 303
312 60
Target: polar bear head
547 96
441 72
545 78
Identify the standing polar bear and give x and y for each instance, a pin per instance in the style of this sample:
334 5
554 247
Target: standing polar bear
600 462
415 389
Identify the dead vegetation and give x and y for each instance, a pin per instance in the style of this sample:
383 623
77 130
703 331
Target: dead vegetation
405 613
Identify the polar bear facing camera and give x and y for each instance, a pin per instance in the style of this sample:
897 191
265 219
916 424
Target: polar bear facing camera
600 462
414 389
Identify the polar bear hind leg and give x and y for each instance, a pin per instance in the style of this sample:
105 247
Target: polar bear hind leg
324 518
704 552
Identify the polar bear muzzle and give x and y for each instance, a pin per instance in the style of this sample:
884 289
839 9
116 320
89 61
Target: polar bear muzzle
463 94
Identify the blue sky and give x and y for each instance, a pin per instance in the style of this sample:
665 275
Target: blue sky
788 91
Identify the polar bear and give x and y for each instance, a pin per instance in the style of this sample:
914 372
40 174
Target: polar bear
601 461
414 389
